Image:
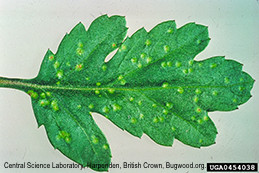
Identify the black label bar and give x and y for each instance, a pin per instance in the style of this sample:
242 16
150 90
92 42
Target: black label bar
232 167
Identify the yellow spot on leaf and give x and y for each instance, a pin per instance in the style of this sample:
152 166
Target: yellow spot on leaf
56 64
178 64
170 30
105 146
114 45
79 67
166 48
116 107
79 51
196 99
165 85
213 65
51 57
180 90
106 109
215 93
169 63
111 90
155 120
148 42
205 118
139 65
133 120
163 64
143 55
149 59
198 91
91 106
134 60
60 74
104 67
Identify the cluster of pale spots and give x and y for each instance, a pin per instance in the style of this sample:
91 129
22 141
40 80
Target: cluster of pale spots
152 85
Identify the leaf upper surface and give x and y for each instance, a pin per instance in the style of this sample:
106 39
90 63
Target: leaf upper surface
152 85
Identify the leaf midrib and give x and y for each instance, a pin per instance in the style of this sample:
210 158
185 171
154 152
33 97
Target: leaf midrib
22 84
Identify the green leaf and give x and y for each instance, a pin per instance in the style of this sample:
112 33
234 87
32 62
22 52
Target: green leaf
152 85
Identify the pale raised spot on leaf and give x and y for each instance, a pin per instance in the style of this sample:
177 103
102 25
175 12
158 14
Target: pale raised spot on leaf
79 106
139 65
54 105
43 95
60 74
185 71
198 91
180 90
196 99
95 140
161 119
106 109
155 120
133 120
234 100
68 64
51 57
178 64
166 48
163 64
142 55
169 63
198 110
120 77
200 121
80 44
79 51
213 65
105 146
56 64
97 92
48 94
205 118
165 111
44 102
154 105
116 107
123 48
170 30
226 80
79 67
123 82
148 42
191 62
114 45
90 106
104 67
165 85
149 59
215 93
134 60
131 99
111 90
169 105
